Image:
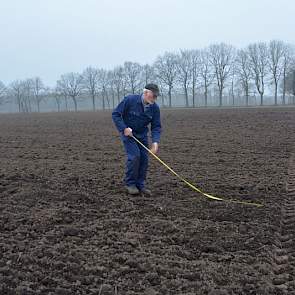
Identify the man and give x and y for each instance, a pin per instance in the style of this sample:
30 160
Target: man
132 117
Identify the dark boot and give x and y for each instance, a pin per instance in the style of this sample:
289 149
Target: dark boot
132 190
146 192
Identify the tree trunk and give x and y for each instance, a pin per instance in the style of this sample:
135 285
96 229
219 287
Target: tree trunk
103 102
261 98
232 92
247 95
276 93
29 106
58 105
66 101
220 97
193 93
163 101
186 96
113 99
93 102
206 95
284 88
108 100
169 95
118 95
75 103
19 105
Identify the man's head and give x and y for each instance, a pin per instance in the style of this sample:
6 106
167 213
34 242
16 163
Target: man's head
150 93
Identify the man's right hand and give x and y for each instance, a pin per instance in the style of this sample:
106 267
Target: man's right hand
128 131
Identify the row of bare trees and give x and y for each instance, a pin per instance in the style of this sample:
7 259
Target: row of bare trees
25 93
220 69
2 92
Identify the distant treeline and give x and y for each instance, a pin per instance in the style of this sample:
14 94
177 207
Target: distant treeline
219 75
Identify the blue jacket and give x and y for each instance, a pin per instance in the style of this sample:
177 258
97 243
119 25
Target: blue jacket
131 113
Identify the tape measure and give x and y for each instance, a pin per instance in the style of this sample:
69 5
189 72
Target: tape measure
191 185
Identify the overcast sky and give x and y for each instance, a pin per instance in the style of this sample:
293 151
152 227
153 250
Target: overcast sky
48 38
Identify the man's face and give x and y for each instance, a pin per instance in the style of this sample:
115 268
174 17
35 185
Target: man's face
149 97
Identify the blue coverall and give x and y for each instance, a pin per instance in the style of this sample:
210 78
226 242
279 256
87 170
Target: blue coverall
132 113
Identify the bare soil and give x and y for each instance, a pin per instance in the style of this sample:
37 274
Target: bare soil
68 227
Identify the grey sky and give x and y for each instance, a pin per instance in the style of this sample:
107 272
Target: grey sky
48 38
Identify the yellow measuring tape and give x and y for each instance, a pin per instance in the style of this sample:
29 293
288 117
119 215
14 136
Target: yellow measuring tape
191 185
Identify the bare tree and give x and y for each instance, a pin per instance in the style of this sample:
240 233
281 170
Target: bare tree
244 72
28 95
259 66
233 80
184 71
16 91
206 72
166 71
132 71
195 71
103 86
91 83
148 74
221 58
162 92
112 88
38 91
21 91
63 92
57 95
276 63
288 62
118 80
289 83
3 92
71 84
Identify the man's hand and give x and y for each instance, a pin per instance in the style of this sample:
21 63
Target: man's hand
128 131
154 148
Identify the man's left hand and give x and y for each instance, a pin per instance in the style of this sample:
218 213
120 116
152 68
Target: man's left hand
154 148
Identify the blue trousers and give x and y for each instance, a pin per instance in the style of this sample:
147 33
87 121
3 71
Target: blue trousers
136 163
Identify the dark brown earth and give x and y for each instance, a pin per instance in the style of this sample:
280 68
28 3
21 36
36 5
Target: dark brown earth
67 226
